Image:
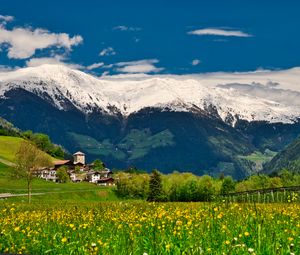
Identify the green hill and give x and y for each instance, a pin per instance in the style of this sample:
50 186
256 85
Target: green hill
288 158
9 146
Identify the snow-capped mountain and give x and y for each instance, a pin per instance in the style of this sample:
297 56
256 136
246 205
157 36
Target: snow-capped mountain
202 123
260 96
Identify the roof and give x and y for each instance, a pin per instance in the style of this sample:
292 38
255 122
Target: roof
78 153
78 163
106 171
61 162
105 180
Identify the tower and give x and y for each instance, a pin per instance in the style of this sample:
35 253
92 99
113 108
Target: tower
79 157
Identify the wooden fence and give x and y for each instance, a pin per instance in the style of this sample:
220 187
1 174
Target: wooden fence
270 195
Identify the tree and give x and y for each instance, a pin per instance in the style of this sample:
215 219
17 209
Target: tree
42 141
29 159
77 169
155 187
287 177
98 165
62 174
228 185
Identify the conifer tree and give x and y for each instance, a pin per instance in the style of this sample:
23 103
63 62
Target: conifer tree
155 187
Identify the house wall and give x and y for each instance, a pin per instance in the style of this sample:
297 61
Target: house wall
79 159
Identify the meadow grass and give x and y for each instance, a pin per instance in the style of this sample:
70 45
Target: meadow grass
149 228
9 146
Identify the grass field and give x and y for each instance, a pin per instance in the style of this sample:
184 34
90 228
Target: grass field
149 228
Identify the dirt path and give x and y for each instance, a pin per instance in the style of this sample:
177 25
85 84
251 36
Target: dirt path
8 195
6 162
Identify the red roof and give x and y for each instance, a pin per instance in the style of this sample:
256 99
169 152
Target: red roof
61 162
106 180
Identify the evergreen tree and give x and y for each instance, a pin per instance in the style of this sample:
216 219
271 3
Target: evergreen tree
155 187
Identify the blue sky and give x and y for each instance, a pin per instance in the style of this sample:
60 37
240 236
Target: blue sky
173 37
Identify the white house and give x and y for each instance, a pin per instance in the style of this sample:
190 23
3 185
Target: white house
93 176
48 174
102 177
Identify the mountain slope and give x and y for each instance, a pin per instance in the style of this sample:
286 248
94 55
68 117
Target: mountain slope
204 124
288 158
231 100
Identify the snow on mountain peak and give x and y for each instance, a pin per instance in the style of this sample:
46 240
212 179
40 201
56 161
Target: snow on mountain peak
263 95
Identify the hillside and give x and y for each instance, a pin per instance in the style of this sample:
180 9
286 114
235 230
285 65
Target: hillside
8 148
288 158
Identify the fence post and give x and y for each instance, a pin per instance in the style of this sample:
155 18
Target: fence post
272 195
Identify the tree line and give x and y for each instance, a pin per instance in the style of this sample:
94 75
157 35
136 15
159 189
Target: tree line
187 187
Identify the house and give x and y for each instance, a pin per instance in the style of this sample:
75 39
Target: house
93 176
101 177
77 177
106 181
48 174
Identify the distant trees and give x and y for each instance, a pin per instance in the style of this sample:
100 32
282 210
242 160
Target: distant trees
132 185
29 159
186 187
43 142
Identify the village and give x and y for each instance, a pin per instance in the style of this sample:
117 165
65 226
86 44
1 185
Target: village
78 171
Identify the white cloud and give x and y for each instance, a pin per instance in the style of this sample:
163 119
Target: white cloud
196 62
23 42
139 66
94 66
219 32
109 51
55 60
5 19
126 28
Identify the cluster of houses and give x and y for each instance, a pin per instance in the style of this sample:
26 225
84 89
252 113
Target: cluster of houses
78 171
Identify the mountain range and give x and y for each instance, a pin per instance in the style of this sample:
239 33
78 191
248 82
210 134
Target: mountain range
209 123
